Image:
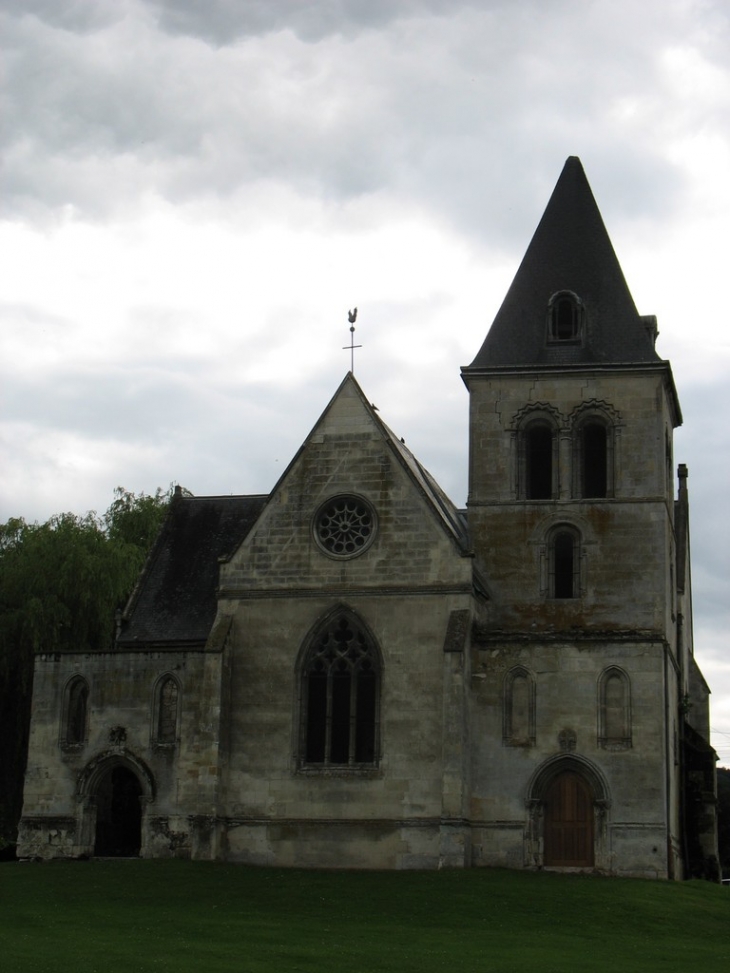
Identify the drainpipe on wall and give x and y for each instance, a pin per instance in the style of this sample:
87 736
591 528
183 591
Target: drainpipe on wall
668 756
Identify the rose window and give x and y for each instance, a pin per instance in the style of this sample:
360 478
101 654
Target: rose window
345 526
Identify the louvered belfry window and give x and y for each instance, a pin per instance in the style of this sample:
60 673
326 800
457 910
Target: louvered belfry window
564 317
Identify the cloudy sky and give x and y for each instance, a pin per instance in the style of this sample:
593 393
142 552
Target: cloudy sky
194 194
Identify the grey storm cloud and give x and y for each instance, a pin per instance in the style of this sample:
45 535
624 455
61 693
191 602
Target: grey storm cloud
226 21
437 109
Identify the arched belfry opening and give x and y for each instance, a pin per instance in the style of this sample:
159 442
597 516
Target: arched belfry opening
118 814
539 440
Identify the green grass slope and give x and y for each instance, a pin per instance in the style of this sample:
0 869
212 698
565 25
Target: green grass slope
180 917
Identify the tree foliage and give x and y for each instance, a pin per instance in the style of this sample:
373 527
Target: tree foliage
60 585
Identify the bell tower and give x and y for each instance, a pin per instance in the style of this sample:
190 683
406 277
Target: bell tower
584 655
571 420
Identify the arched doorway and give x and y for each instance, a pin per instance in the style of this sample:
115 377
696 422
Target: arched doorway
568 803
569 822
118 814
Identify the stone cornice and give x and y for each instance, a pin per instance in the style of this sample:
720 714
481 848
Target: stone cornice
480 637
334 591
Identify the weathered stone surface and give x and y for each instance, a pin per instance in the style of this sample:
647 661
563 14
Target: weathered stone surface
490 714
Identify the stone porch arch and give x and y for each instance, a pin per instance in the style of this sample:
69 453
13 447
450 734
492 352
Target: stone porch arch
571 778
95 786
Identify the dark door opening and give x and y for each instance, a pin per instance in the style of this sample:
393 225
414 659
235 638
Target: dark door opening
569 823
118 815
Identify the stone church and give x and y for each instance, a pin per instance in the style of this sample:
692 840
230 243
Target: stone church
353 672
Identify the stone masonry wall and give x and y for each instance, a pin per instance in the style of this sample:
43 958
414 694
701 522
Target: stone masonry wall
179 779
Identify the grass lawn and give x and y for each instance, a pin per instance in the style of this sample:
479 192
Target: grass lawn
123 916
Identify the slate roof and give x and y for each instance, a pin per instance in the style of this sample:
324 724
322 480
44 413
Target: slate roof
570 250
175 598
447 513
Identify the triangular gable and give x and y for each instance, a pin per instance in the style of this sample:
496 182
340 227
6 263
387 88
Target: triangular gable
350 452
357 416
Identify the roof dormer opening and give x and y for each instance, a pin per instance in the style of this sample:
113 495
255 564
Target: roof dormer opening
565 314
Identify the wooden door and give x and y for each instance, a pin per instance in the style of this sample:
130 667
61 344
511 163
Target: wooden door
569 822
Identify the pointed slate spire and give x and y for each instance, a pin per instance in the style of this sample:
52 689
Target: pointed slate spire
570 251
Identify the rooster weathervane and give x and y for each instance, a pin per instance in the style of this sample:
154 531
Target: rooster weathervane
352 318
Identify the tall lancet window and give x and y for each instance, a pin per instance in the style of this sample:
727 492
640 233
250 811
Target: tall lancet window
518 716
614 709
167 710
340 695
564 563
75 712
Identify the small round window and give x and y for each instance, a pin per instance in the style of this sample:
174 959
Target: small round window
345 526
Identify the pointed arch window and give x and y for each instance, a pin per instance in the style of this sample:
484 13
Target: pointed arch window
565 317
564 563
614 709
518 722
165 711
75 713
340 696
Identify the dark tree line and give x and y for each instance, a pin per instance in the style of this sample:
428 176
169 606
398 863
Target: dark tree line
61 583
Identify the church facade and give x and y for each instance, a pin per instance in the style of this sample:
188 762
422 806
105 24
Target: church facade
352 672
